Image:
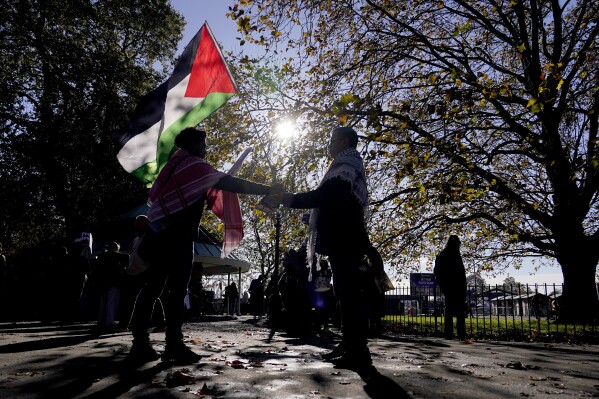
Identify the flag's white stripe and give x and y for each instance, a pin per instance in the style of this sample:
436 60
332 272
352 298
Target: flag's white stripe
141 149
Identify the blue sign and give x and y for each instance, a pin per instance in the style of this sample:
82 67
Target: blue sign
423 284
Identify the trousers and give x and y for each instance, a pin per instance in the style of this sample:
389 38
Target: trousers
169 272
350 289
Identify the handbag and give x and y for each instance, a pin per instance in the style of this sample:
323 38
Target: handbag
148 246
372 263
383 282
137 263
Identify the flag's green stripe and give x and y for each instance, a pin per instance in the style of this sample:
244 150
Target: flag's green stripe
166 142
147 173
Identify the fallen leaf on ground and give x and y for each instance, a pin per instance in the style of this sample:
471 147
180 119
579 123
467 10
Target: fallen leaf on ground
236 364
179 377
521 366
203 391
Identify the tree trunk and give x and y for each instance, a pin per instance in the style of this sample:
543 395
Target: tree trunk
580 302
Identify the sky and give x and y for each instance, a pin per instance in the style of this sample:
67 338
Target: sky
196 12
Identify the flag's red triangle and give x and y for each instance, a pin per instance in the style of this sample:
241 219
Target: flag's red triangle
209 73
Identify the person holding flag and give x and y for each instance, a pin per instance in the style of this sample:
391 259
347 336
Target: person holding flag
181 182
185 186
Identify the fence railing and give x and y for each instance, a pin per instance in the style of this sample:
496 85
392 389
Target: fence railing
518 312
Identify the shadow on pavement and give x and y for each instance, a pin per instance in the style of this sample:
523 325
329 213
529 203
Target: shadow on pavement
378 386
49 343
37 327
210 318
78 375
420 340
129 379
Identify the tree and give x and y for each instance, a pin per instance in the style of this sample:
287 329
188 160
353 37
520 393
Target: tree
511 285
273 158
73 71
477 282
480 116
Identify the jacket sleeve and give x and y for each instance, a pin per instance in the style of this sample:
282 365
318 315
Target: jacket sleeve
330 190
241 186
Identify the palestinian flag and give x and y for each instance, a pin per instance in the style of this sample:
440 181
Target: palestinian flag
201 82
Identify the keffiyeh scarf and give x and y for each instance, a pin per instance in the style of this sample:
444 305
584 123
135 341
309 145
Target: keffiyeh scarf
184 180
348 166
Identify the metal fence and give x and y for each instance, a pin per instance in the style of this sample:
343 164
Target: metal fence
518 312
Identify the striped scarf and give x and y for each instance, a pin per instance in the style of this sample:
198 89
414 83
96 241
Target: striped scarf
348 166
184 180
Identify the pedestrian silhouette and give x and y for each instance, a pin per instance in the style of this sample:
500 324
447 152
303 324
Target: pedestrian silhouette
451 276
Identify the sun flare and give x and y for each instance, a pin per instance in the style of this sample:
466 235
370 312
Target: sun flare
285 130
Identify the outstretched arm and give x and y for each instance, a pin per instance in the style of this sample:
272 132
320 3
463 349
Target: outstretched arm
331 190
242 186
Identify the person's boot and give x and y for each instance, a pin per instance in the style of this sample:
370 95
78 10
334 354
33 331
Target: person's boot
335 353
180 354
141 353
354 359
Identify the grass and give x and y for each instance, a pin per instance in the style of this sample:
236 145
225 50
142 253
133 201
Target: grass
497 327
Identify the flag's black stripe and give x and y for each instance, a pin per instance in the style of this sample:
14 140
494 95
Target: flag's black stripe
151 107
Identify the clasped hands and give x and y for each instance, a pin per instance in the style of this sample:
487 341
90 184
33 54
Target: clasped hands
278 196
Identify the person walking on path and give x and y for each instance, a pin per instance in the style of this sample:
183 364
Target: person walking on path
337 230
108 273
185 186
451 276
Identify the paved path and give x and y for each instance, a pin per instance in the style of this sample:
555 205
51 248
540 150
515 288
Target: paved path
239 361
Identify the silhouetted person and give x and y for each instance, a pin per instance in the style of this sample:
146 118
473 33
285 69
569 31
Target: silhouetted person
184 187
232 299
451 276
257 297
337 229
70 269
109 271
296 294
